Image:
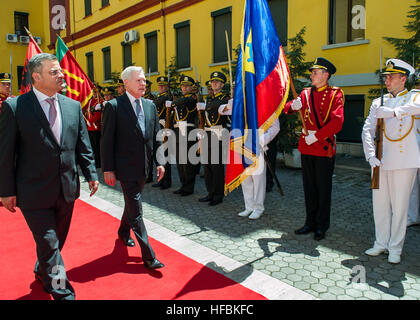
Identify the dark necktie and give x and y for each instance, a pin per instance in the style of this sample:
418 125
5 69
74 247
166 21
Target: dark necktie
140 115
52 114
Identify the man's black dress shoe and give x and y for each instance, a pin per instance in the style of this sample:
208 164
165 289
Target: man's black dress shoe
177 191
215 202
163 187
38 278
319 235
153 264
185 193
156 185
304 230
207 198
128 241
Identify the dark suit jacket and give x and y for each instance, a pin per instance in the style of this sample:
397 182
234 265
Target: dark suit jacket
121 148
33 165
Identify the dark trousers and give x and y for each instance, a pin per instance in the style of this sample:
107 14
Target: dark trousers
95 141
186 170
317 184
49 228
132 217
214 173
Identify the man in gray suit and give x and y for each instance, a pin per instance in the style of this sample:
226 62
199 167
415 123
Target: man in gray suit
43 137
130 125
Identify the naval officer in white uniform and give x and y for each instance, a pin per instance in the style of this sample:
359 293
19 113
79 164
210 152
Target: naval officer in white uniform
400 159
413 209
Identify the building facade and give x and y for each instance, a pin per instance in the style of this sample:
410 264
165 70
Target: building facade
107 35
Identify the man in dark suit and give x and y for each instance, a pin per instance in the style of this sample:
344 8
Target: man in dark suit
130 125
43 137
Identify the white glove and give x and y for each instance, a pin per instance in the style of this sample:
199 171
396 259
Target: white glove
201 106
263 142
384 112
98 107
200 134
296 104
399 113
230 103
309 139
166 132
374 162
168 103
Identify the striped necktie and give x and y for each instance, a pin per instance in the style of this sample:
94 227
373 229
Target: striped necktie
140 115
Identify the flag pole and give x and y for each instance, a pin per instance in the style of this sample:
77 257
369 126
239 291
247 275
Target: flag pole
230 64
11 73
30 35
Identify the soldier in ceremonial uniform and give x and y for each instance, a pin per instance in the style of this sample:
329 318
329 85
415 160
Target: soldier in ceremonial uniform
160 102
107 93
209 89
93 118
214 124
413 209
185 120
148 94
400 158
5 83
120 89
323 110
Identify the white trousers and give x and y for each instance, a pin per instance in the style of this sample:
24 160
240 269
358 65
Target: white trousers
413 209
253 189
390 208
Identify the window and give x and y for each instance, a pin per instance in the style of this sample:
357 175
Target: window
21 22
347 21
222 21
354 108
90 68
88 7
151 52
278 10
127 56
183 53
107 63
105 3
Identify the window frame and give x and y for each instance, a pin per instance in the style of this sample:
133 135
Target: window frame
178 27
214 15
104 52
147 37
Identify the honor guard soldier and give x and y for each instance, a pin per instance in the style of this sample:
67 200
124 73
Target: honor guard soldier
5 83
120 89
107 93
185 115
209 89
148 94
160 102
93 119
400 158
322 107
214 123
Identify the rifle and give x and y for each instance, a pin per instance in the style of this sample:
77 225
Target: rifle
379 135
167 111
200 112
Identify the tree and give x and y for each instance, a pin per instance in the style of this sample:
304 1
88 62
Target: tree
290 124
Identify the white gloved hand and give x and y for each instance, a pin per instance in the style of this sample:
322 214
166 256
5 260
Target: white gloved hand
262 141
166 132
384 112
200 134
201 106
374 162
98 107
296 104
309 139
168 103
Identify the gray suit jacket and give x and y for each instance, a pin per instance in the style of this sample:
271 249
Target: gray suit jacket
122 150
34 166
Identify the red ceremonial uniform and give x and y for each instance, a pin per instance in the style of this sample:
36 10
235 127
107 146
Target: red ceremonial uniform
329 106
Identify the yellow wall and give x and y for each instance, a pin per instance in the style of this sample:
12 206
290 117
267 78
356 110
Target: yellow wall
7 25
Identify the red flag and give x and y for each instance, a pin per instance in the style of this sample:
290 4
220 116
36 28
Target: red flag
79 86
33 49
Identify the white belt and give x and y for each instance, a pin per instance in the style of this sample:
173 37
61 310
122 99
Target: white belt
162 122
310 131
217 130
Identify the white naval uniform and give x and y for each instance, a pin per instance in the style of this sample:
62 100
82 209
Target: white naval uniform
413 209
398 170
254 186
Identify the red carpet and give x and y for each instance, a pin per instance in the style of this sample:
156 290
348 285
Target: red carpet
103 268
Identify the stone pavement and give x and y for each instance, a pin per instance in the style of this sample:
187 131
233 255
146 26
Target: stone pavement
333 268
